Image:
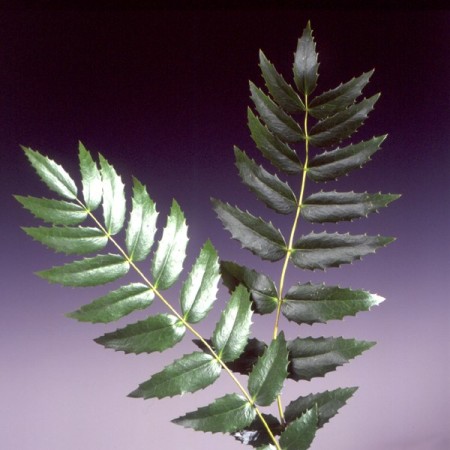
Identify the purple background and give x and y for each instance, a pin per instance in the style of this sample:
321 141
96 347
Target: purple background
163 95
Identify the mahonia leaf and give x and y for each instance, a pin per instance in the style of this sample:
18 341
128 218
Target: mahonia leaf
338 206
227 414
115 304
267 377
267 447
310 303
332 130
279 89
256 434
187 374
91 179
52 174
263 292
330 165
200 289
328 404
337 99
268 188
58 212
142 225
154 334
315 357
69 240
301 432
277 152
279 122
171 252
100 269
114 206
260 237
305 63
322 250
232 331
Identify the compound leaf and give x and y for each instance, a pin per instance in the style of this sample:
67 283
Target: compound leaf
115 304
311 303
100 269
154 334
227 414
301 432
256 434
187 374
91 179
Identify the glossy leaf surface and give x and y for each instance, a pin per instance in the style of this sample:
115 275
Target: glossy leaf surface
91 179
256 434
301 432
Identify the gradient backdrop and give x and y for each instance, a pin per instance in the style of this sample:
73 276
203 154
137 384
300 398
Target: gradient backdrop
163 95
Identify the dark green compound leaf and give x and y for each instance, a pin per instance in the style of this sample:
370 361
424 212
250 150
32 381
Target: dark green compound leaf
69 240
52 174
188 374
91 179
332 130
329 166
275 193
322 250
300 433
263 292
278 121
316 303
305 63
100 269
116 304
171 252
282 92
315 357
154 334
231 333
337 99
277 152
328 404
256 434
200 288
267 377
142 225
227 414
338 206
260 237
114 206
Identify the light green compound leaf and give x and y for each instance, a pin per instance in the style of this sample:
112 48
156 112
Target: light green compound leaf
260 237
263 292
116 304
169 257
256 434
300 433
275 193
91 179
305 63
227 414
52 174
279 122
277 152
187 374
316 303
323 250
328 404
113 198
267 377
332 130
200 288
279 89
58 212
338 206
154 334
69 240
329 166
232 331
100 269
315 357
141 228
337 99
